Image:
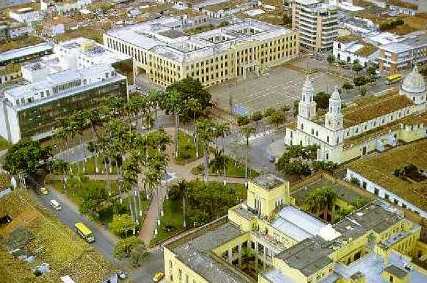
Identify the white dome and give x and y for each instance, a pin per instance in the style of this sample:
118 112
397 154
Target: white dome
414 82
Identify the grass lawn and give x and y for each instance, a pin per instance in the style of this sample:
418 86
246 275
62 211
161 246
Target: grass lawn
234 169
4 144
171 223
187 149
89 166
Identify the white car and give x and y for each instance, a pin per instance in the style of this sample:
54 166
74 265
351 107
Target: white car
55 204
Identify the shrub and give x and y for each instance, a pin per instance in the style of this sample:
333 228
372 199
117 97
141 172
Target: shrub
242 120
256 116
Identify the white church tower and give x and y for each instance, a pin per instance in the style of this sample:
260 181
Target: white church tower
334 117
307 105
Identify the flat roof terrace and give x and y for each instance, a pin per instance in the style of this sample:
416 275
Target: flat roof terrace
195 251
166 37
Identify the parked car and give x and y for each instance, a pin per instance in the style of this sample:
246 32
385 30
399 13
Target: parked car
55 204
122 274
44 191
158 276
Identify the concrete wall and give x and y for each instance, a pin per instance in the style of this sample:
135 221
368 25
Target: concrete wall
380 191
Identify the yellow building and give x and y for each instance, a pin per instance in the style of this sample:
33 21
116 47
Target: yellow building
164 53
268 240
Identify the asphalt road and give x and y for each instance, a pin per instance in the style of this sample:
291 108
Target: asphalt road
69 215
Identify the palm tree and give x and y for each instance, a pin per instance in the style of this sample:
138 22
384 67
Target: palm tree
206 132
181 189
247 132
222 130
321 201
173 103
153 97
59 165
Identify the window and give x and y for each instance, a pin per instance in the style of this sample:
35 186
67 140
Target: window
387 197
364 184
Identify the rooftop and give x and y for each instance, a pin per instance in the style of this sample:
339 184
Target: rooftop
297 224
194 250
414 119
377 216
380 168
33 230
366 109
150 36
308 256
267 181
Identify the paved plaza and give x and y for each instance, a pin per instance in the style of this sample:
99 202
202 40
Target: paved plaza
281 85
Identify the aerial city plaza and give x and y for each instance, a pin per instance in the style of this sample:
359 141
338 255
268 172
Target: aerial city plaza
213 141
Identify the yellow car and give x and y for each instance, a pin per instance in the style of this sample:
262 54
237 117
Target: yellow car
158 276
44 191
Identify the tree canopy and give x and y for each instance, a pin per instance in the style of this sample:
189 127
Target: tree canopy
190 93
26 157
322 100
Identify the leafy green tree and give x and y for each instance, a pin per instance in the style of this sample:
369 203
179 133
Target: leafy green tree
359 81
257 116
347 86
324 165
124 247
330 59
322 100
269 111
363 91
26 157
356 66
138 254
277 117
189 88
122 224
94 199
242 120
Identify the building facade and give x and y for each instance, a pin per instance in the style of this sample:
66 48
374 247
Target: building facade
79 75
396 56
365 127
35 109
268 240
164 53
63 7
316 23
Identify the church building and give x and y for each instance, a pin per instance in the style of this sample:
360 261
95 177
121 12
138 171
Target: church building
369 124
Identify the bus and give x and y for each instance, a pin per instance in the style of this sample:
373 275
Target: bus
393 79
84 232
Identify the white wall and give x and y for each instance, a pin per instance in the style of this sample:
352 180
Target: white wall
371 187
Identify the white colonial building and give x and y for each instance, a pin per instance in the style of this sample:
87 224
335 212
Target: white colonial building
373 123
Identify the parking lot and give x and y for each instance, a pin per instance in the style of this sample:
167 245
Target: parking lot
281 85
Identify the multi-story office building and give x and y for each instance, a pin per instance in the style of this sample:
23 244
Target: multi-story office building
78 76
35 109
400 55
316 23
165 53
267 239
63 7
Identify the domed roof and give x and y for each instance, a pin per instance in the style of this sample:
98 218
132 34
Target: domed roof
414 82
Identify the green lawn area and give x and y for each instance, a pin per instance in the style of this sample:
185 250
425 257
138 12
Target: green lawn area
4 144
171 223
234 169
89 166
187 149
